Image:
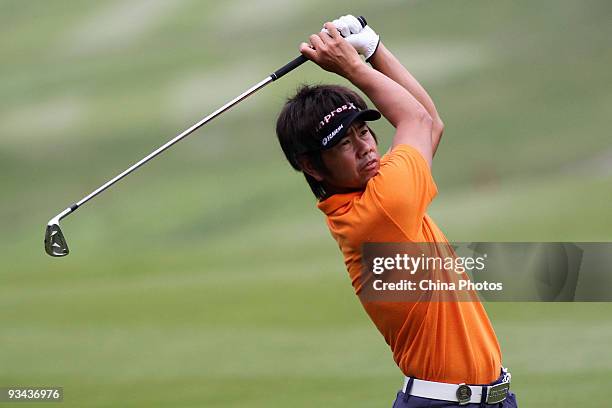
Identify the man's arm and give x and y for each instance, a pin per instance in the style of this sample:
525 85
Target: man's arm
385 62
367 43
411 120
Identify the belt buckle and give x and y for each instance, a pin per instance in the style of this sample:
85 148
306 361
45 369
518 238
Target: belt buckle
497 393
464 394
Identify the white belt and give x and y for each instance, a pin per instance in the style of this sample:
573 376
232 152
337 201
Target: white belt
461 393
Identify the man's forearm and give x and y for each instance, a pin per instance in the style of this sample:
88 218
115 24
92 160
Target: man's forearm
385 62
412 121
393 100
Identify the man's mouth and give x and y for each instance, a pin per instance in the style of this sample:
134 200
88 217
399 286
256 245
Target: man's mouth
370 165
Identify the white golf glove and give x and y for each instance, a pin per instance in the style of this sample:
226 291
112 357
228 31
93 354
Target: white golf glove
363 39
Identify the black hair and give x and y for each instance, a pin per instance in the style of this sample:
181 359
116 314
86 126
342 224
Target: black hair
298 120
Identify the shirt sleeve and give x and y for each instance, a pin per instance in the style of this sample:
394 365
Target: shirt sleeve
403 188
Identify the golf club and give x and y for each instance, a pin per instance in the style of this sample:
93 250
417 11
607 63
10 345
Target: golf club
55 243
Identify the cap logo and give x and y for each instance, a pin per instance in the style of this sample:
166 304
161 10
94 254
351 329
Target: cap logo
331 114
329 137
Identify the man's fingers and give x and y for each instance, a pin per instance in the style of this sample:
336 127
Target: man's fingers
324 37
343 28
332 30
307 51
316 41
319 41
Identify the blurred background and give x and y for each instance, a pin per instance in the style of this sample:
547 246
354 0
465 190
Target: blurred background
208 278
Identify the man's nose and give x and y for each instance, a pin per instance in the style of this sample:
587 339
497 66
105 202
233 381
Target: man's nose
363 147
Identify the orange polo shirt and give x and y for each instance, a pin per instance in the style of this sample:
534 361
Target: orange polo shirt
451 342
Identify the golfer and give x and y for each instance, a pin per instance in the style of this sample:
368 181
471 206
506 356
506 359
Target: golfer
447 351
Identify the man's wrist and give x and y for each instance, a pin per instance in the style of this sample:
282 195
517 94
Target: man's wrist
357 71
378 56
372 56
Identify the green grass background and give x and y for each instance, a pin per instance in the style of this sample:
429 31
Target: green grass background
208 278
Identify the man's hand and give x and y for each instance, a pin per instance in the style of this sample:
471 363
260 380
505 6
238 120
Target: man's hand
332 52
363 39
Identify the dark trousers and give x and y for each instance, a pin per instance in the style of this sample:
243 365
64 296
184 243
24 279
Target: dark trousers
418 402
410 401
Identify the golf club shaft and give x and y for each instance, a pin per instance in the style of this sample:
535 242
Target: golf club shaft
172 142
272 77
285 69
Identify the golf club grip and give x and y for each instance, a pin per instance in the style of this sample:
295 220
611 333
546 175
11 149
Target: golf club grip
301 59
288 67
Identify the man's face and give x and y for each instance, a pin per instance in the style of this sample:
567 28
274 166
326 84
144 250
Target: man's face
353 161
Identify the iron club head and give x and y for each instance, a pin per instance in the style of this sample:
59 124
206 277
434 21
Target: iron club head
55 243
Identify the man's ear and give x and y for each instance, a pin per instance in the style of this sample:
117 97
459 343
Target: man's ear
308 168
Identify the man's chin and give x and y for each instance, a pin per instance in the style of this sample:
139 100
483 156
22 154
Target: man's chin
369 173
369 176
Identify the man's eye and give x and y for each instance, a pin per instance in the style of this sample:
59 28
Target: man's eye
343 144
364 132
